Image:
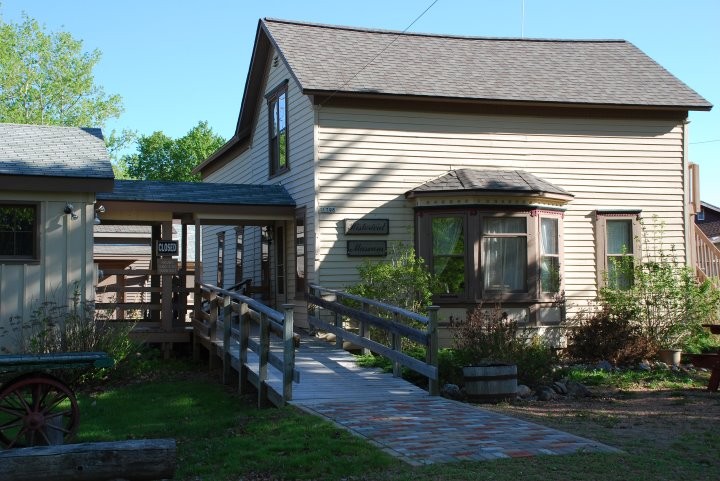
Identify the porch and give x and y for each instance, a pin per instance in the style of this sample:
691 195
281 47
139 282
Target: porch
154 287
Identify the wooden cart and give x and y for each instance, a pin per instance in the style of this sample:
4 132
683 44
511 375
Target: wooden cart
37 408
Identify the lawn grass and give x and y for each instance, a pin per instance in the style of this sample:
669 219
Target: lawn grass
223 436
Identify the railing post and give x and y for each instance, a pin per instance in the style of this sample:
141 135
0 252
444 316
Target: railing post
288 352
338 325
263 362
431 356
397 347
227 328
363 327
212 328
197 307
244 327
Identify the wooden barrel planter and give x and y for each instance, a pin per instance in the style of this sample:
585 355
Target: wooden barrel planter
491 383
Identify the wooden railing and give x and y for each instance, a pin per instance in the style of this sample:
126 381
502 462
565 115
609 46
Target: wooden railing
222 324
707 257
390 319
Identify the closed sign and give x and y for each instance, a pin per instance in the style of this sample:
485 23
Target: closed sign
165 248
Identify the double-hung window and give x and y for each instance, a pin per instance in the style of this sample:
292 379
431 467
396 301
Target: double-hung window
618 234
549 255
504 256
18 232
278 128
220 258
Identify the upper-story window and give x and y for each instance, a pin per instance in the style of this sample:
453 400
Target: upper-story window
278 128
18 232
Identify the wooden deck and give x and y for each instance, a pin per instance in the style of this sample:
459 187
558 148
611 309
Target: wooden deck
327 373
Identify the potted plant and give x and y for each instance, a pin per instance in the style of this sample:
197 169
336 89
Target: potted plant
486 343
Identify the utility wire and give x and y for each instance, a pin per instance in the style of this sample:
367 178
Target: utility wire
379 53
705 141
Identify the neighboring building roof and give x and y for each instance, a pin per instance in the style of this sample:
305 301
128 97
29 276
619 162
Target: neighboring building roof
710 225
486 181
53 151
197 193
326 58
144 230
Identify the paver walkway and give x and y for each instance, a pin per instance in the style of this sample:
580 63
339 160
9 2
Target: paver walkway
404 421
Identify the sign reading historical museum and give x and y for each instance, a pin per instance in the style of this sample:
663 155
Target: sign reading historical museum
166 248
366 248
367 226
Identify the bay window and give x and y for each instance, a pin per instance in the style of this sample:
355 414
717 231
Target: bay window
510 256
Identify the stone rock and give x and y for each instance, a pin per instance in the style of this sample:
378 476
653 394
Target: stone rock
545 393
452 391
645 366
662 365
576 389
559 387
604 366
523 391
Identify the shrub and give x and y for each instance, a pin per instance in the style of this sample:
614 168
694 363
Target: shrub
604 336
664 300
75 328
403 281
488 335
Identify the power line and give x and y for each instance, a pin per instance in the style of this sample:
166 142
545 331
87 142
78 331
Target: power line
705 141
379 53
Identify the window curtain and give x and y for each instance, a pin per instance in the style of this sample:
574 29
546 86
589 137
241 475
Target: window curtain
505 258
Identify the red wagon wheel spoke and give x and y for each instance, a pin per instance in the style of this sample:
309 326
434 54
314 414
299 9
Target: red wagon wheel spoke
36 409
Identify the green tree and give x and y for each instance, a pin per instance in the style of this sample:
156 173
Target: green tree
47 78
159 157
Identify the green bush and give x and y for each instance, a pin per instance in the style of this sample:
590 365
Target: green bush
664 300
75 328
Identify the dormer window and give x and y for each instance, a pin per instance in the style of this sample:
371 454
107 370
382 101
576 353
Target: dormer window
278 129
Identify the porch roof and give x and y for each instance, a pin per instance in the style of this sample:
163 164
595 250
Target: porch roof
133 200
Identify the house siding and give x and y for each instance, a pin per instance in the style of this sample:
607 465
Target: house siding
252 167
368 159
65 263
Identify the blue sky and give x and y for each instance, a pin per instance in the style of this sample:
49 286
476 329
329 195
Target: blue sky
178 62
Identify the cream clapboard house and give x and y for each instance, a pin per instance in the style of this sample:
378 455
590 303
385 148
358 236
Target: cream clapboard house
48 180
515 167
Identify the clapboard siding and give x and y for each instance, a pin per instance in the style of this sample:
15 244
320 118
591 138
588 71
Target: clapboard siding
65 264
252 167
368 159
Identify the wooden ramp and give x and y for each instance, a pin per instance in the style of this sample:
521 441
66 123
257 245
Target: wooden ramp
327 373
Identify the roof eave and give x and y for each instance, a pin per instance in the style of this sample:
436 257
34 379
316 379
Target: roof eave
321 96
411 194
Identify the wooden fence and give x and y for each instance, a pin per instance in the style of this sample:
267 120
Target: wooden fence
360 314
222 323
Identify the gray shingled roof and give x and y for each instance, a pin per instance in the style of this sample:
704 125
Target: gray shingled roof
600 72
197 193
45 150
489 181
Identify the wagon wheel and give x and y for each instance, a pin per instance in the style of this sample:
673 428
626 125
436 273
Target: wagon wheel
37 409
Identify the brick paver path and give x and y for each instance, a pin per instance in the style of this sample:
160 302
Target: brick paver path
405 422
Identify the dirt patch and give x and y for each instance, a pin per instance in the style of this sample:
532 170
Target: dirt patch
626 418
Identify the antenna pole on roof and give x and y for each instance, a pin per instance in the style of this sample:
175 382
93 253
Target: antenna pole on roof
522 21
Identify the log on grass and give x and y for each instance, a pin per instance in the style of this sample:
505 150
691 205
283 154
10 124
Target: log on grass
134 460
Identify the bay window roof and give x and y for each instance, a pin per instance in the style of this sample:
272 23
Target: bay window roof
491 183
